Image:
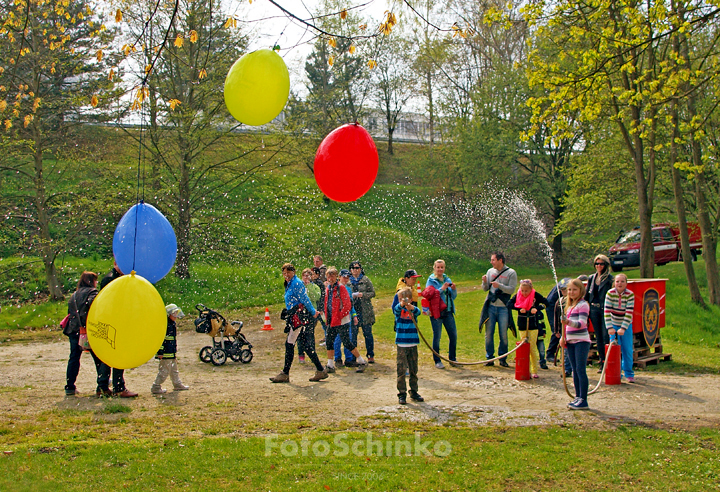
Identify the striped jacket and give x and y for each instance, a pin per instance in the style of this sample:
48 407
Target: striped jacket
577 327
406 333
619 308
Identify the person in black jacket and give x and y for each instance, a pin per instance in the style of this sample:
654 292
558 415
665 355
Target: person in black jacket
119 388
598 286
166 354
321 303
529 304
78 308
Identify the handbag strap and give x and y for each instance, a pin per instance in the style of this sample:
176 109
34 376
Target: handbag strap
77 313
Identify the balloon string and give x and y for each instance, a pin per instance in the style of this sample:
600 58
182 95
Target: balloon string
280 36
139 199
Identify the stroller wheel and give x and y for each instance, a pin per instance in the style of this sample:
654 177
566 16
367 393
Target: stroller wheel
218 357
205 353
236 356
245 356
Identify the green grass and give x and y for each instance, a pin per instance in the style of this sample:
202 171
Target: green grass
531 458
114 407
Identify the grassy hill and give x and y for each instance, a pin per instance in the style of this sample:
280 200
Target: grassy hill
242 237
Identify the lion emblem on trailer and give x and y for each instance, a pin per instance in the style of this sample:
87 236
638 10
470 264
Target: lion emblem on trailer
651 316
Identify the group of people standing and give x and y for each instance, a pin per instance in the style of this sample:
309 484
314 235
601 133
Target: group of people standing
572 305
78 310
341 301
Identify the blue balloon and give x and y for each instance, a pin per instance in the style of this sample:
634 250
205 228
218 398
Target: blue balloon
152 250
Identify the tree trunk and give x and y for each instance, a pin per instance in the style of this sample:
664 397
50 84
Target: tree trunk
390 140
47 253
695 294
155 162
431 111
182 264
709 235
709 240
558 209
647 250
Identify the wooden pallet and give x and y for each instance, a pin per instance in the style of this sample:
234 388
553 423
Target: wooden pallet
645 355
652 359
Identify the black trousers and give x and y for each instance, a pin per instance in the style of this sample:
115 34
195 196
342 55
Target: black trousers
344 332
597 319
307 338
103 375
73 366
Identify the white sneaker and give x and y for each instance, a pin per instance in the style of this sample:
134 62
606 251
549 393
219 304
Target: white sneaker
440 365
181 387
158 390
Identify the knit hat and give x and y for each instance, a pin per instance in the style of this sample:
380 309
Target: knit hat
563 284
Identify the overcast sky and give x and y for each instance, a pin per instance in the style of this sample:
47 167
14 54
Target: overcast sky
271 26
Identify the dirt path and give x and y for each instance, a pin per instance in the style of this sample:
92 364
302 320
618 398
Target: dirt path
32 378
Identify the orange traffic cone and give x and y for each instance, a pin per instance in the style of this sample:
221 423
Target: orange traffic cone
419 290
266 325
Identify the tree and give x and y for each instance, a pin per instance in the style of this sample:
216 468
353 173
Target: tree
431 53
394 82
607 63
492 127
694 46
190 133
54 67
337 74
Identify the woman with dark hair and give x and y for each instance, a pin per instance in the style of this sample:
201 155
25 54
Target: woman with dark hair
598 285
78 308
362 294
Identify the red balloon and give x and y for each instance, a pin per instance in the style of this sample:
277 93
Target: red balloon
346 163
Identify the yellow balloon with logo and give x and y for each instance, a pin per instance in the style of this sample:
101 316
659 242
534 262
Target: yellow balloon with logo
257 87
127 322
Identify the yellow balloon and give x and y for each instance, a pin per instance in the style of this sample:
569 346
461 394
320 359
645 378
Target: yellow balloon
127 322
257 87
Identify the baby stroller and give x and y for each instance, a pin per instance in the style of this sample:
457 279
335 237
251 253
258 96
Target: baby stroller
227 339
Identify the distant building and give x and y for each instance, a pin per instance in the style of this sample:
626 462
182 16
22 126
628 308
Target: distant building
410 128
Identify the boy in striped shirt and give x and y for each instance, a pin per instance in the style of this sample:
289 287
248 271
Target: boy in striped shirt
407 340
619 305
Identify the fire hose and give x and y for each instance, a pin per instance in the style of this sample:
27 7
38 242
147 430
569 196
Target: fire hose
453 362
561 350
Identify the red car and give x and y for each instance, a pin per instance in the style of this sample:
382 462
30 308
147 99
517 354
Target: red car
666 242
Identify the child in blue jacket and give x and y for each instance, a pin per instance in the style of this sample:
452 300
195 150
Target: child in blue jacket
407 340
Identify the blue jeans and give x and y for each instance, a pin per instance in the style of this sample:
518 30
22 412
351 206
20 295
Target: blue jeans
336 345
447 319
578 354
497 315
626 348
369 340
541 350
